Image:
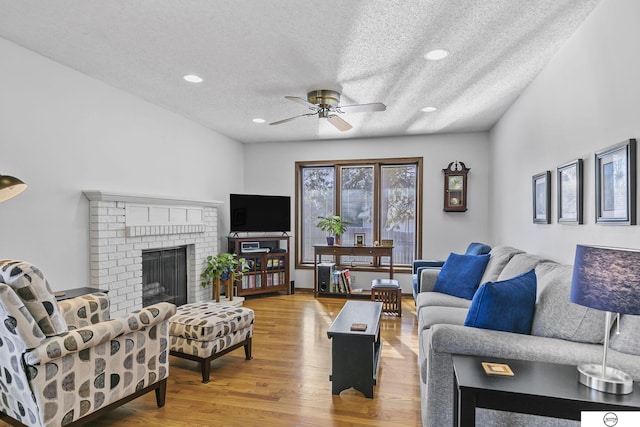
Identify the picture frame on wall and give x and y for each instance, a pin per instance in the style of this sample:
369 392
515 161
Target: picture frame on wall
541 192
616 184
569 183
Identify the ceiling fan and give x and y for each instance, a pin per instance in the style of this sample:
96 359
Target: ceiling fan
325 102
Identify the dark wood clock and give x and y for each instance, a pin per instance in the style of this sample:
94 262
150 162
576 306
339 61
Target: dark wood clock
455 187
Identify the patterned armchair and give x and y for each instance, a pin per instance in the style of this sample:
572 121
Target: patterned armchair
64 364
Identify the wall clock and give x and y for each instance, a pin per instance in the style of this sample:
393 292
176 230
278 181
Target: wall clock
455 187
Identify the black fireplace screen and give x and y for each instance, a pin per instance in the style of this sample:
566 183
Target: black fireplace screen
164 276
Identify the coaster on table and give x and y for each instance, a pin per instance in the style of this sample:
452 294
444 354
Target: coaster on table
497 369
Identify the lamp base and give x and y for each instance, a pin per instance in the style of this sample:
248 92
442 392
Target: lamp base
613 380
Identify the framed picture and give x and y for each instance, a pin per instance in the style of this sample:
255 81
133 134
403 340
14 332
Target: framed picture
569 182
358 239
616 184
541 184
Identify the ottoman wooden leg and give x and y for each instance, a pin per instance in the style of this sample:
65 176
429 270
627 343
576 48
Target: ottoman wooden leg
205 367
247 349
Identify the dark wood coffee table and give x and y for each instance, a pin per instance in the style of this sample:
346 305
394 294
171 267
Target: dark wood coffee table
355 354
537 388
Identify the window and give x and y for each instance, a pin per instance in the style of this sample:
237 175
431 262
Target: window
380 199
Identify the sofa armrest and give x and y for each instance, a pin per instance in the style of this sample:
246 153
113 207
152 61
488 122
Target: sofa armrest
456 339
92 335
428 277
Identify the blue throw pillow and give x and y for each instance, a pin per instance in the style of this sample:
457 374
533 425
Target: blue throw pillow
461 275
505 306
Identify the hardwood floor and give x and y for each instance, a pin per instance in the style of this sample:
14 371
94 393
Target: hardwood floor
287 382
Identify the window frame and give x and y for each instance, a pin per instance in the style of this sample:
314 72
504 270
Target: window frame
378 165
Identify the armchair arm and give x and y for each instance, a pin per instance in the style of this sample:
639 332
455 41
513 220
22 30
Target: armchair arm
85 310
418 263
92 335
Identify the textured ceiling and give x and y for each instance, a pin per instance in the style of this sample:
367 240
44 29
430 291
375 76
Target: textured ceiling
253 53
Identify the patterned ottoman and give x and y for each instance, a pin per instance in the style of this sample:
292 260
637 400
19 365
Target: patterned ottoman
204 331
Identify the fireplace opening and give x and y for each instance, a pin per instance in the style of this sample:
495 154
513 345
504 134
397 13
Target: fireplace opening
164 276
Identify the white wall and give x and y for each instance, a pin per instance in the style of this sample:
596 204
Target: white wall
63 132
270 169
585 100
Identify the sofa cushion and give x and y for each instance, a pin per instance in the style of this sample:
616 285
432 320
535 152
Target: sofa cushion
32 288
430 299
628 341
460 275
504 306
435 315
557 317
499 257
518 264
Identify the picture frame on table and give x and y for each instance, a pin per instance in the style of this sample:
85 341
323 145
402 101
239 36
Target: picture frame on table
541 193
616 184
570 192
358 239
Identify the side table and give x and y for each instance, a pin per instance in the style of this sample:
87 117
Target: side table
537 388
72 293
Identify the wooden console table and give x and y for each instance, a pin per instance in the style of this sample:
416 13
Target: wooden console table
337 251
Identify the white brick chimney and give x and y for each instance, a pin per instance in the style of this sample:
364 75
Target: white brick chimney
121 226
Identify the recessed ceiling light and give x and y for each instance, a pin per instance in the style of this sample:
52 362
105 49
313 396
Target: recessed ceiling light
192 78
436 54
429 109
258 120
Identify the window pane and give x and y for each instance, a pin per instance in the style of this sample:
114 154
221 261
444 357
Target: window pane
356 206
398 210
318 199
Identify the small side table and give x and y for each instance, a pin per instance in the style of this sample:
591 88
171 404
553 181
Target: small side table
72 293
389 293
537 388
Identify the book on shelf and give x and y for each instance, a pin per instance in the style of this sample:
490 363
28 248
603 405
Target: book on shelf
344 282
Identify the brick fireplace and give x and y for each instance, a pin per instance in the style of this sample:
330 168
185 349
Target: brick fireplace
121 226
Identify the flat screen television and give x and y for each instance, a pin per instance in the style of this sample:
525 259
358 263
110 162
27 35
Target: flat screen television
257 213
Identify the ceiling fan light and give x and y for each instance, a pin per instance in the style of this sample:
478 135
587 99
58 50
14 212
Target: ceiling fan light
428 109
192 78
436 54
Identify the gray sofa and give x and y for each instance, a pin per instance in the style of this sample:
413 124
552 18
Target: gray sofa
562 332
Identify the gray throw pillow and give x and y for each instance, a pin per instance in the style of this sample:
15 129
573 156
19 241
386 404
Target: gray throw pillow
557 317
628 341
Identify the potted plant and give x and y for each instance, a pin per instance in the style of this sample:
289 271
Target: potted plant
333 224
223 266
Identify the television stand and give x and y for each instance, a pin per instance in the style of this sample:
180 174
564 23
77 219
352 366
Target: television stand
268 265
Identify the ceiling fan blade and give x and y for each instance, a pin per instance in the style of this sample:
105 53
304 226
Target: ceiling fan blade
303 102
340 124
361 108
279 122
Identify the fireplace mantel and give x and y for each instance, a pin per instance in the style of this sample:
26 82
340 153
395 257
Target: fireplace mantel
147 199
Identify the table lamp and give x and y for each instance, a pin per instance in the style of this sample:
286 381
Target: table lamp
606 279
10 187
